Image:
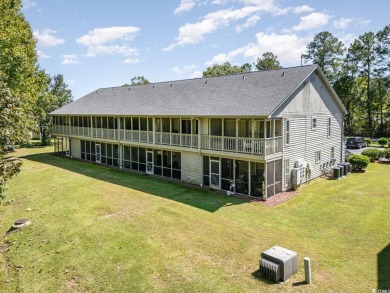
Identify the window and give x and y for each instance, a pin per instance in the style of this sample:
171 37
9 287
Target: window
318 156
313 123
286 172
287 132
329 126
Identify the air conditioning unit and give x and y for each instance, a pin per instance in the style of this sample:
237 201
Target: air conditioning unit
269 270
278 263
296 176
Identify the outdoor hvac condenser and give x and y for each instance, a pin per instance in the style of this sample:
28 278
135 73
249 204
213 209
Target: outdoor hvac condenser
278 263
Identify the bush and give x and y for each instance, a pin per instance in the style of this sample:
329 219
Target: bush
368 141
386 154
373 154
382 141
359 162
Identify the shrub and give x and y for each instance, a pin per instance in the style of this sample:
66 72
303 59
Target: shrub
359 162
368 141
373 154
386 154
382 141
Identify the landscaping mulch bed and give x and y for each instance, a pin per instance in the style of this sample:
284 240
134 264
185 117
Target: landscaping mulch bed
279 198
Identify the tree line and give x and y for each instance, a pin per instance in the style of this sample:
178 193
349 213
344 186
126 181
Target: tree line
27 93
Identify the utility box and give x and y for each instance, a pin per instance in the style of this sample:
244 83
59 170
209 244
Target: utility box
335 172
278 263
296 176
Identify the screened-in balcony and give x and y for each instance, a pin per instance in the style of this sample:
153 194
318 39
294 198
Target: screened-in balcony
247 136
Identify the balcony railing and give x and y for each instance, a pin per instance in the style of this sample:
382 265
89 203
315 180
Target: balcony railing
256 146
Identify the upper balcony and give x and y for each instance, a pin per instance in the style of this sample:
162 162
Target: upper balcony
246 136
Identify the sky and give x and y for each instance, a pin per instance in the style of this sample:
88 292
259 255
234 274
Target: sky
104 43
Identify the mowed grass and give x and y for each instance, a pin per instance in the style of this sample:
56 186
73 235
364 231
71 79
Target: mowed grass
96 229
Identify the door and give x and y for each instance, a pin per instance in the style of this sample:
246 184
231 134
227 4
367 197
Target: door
98 152
149 162
215 174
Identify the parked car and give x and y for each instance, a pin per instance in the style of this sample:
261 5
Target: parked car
356 142
346 155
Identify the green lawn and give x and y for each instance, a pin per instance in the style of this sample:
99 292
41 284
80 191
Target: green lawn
96 229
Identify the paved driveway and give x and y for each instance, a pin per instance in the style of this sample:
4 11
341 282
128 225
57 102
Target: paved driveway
359 151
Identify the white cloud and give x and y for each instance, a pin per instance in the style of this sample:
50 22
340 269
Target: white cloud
312 21
69 81
70 59
47 39
227 57
365 22
197 74
288 48
193 33
251 21
342 23
124 50
100 36
42 55
110 41
302 9
347 39
183 69
132 61
185 5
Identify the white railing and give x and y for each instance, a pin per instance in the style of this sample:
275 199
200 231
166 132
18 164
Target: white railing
246 145
175 139
165 138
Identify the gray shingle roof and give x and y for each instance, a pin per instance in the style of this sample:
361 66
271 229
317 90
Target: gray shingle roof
250 94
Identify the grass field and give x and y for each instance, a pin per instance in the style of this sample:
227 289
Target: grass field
95 229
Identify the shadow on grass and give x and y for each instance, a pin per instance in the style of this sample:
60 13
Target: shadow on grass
384 268
258 276
187 194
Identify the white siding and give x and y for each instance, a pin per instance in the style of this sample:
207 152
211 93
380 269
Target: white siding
75 145
314 100
191 167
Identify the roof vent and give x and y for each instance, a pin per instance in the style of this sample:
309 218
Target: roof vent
129 88
171 85
243 77
205 82
283 73
153 86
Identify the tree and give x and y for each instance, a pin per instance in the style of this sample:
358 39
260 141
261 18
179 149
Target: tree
326 51
226 69
11 130
269 61
138 80
55 95
19 83
362 51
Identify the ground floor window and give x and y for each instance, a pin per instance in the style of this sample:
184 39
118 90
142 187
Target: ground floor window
241 176
160 162
274 177
62 145
105 153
